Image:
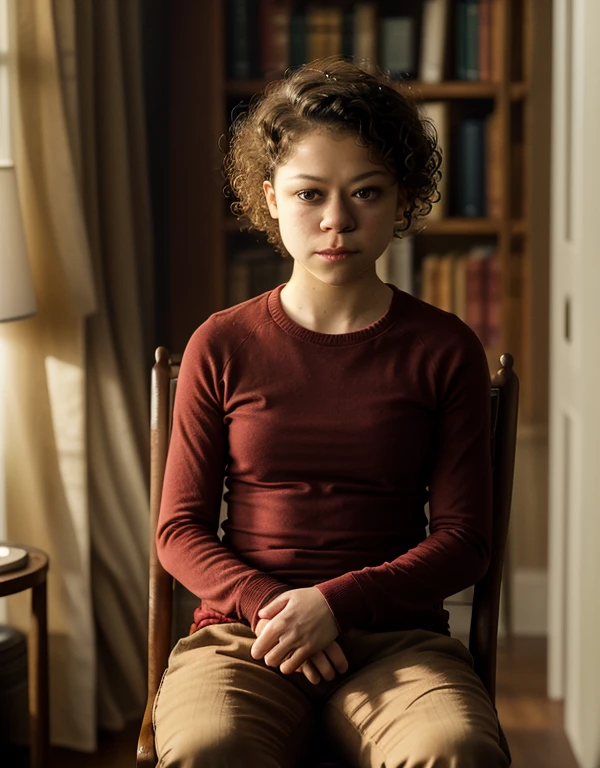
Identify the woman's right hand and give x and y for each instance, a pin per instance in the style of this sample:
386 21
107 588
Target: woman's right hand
325 662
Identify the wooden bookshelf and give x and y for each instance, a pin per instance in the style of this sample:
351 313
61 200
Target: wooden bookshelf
204 212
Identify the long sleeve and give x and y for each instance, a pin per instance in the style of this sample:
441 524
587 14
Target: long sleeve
456 553
187 542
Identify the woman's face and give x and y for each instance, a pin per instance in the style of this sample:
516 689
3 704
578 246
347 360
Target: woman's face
329 194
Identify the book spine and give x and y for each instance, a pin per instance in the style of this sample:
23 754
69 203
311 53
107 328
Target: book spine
472 40
298 38
460 50
446 283
398 46
494 301
365 35
485 37
240 51
493 168
471 186
430 279
348 33
275 36
475 297
434 38
497 54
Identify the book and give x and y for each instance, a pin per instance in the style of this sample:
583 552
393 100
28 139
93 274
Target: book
466 23
398 53
401 258
365 36
297 37
242 39
254 271
324 31
493 294
439 114
471 168
485 40
460 285
496 54
445 297
434 41
430 279
275 20
493 154
475 293
472 40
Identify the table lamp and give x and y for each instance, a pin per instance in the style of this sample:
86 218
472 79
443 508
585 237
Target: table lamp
17 299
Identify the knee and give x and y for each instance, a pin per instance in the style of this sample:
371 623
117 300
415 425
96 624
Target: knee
230 750
441 748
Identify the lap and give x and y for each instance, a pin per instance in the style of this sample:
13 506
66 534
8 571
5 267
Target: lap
406 696
414 698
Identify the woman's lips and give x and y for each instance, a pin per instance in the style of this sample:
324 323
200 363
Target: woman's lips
337 256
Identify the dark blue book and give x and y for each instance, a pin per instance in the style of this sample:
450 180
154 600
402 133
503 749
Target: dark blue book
242 29
460 48
472 40
298 37
471 168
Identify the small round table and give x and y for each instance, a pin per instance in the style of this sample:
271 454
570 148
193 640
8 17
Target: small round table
33 576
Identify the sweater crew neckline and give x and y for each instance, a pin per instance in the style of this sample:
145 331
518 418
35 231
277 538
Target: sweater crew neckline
333 339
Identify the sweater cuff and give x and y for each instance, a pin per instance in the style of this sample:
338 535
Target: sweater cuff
346 602
259 591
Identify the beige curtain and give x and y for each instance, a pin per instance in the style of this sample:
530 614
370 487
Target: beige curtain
76 402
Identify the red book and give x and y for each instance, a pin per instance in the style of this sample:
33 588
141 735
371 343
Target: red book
274 36
475 296
493 290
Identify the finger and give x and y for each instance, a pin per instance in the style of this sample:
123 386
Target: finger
274 607
311 674
323 665
337 657
266 643
280 653
293 660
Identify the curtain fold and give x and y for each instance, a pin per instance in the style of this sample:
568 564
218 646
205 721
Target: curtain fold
77 401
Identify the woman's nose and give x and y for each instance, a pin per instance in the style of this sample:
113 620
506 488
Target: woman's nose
337 216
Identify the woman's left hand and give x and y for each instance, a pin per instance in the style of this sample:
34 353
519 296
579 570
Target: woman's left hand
301 624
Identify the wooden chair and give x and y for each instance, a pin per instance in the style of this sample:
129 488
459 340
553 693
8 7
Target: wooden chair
486 593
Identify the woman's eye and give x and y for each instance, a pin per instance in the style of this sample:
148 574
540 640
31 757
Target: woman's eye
366 193
307 192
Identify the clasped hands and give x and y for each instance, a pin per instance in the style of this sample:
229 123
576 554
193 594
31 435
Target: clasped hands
296 632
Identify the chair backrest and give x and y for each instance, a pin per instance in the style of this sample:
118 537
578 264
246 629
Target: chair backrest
486 596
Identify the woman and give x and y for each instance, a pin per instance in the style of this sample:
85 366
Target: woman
335 406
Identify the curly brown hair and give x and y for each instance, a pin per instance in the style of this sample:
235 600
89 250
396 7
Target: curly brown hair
336 95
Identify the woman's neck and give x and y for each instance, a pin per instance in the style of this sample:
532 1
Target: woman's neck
336 309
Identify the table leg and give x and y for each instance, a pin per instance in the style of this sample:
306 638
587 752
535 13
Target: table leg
39 706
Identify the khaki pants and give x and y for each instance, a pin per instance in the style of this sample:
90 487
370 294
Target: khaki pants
410 699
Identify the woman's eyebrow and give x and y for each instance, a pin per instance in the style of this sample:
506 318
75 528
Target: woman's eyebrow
360 177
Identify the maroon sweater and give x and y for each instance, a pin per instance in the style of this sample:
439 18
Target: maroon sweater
330 444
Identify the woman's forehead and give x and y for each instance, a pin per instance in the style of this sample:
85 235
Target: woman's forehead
320 150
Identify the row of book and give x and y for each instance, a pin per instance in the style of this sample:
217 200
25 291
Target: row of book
469 284
471 165
432 41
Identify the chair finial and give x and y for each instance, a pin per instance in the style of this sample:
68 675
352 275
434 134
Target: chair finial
507 361
162 355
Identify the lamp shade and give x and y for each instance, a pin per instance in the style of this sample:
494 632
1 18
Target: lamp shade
17 299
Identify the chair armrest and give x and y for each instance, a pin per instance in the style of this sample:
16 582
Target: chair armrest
146 756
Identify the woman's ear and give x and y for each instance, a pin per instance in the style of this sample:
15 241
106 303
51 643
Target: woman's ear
401 203
271 199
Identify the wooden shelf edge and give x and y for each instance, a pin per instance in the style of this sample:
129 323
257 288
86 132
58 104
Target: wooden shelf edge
449 89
